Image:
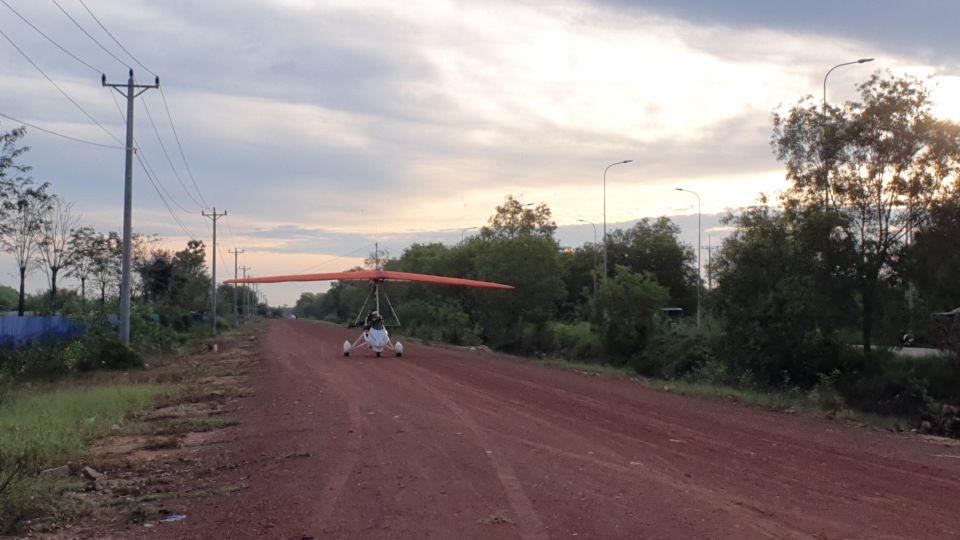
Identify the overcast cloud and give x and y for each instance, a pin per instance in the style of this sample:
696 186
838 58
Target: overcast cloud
322 127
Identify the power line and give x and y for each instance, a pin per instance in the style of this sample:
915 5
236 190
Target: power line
84 30
166 154
173 214
115 40
51 132
180 146
141 155
57 86
233 238
48 38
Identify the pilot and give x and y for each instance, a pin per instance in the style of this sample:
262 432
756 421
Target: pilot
374 320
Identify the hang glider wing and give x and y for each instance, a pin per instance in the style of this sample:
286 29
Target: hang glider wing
374 275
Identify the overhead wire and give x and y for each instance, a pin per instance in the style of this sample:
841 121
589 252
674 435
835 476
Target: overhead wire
50 39
173 214
84 30
180 146
166 154
233 238
69 137
176 136
57 86
202 203
115 40
163 96
151 175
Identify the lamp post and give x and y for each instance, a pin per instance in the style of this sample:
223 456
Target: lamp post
823 127
594 254
698 250
465 230
605 214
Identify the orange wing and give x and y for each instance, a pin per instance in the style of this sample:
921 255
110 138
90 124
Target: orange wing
374 275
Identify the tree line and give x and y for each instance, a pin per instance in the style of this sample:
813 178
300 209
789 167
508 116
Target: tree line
862 250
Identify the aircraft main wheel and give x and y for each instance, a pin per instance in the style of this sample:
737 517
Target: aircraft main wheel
346 353
399 354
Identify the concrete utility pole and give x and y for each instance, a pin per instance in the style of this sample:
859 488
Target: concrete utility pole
214 216
245 293
236 253
130 91
709 247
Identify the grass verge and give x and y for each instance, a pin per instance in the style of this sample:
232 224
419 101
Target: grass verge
45 429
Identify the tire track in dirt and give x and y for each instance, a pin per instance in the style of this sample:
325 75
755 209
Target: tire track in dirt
817 484
615 462
529 524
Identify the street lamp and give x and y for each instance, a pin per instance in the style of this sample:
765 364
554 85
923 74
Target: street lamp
465 230
594 254
698 250
823 127
605 214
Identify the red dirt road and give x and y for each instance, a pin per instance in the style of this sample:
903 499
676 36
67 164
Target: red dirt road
456 444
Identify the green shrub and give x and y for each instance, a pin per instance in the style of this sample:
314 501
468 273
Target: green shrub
673 351
576 341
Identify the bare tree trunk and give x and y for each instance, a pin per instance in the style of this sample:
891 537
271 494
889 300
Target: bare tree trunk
20 302
53 286
83 288
867 298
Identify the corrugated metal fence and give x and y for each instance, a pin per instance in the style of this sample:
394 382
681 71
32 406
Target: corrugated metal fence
16 331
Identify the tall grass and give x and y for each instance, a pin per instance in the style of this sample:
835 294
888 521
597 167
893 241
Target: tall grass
45 429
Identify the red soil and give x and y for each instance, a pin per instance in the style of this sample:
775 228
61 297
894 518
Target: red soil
448 443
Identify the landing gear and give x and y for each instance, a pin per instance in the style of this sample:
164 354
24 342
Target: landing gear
377 353
347 347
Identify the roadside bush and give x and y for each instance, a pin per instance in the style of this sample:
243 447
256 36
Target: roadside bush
885 384
33 361
442 322
674 351
576 341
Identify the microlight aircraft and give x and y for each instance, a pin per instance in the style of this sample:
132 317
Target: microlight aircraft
375 335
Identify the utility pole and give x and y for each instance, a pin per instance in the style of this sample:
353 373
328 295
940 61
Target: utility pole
130 92
245 293
709 247
236 253
214 216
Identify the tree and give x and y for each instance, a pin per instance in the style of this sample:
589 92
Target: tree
532 265
190 288
83 245
512 219
156 275
107 254
887 161
656 248
783 292
25 206
54 240
932 262
629 300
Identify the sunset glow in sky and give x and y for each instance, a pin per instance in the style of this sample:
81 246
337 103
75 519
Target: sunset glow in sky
323 127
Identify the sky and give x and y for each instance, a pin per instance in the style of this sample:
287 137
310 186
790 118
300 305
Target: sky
323 127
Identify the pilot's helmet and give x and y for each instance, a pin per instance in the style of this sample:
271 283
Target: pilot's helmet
374 313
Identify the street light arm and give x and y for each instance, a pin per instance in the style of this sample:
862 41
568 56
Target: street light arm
860 61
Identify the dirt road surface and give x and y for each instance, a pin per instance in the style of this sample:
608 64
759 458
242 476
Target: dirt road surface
447 443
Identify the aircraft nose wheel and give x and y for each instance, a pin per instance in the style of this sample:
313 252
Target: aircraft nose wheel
378 354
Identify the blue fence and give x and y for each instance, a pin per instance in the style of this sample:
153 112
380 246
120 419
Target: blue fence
16 331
